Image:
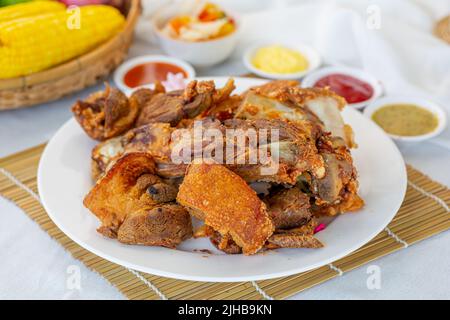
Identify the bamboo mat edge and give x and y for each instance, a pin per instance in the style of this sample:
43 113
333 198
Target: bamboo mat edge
406 228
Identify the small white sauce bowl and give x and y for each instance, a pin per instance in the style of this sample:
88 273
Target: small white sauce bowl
200 53
312 79
420 102
120 72
307 51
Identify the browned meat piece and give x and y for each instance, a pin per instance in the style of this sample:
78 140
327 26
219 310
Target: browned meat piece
157 189
297 152
126 189
299 237
225 109
142 96
336 192
153 139
317 107
225 243
306 229
174 106
288 208
227 204
273 87
198 97
118 192
163 107
293 240
166 225
224 93
106 114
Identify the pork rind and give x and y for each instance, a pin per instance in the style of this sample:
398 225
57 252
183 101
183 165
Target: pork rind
227 204
118 192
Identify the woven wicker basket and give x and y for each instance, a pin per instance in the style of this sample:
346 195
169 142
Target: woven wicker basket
73 75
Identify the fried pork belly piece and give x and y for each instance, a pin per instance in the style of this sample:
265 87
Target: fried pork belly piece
319 111
119 192
164 107
272 87
225 243
153 139
293 240
172 107
227 204
225 109
106 114
130 201
224 93
299 237
320 107
326 105
297 152
336 192
166 225
288 208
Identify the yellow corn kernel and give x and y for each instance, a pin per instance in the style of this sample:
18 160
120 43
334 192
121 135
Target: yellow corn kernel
29 9
36 43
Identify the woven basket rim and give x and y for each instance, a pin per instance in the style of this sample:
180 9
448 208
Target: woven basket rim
78 63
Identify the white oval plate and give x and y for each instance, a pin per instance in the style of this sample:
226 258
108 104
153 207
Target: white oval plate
64 179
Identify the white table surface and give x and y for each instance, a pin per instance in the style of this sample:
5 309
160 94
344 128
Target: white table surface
418 272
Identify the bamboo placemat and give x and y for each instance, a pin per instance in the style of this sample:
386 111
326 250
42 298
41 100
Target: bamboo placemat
425 212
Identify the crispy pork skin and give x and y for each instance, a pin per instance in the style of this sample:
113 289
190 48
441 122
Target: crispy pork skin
125 197
118 192
228 204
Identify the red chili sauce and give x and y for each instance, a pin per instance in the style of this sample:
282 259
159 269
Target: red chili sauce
150 72
351 89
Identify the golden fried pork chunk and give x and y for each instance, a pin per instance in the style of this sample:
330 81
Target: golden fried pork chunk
299 237
288 208
318 107
132 204
106 114
226 203
172 107
165 225
153 139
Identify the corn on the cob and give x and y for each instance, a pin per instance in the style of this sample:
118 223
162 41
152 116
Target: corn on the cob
29 9
33 44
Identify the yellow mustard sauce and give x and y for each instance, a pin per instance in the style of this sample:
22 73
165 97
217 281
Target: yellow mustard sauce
279 60
405 119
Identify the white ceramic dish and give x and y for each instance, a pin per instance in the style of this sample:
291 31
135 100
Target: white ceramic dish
313 77
120 72
64 179
309 52
200 53
426 104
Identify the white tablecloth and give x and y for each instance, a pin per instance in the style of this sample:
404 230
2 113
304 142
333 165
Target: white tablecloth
402 54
